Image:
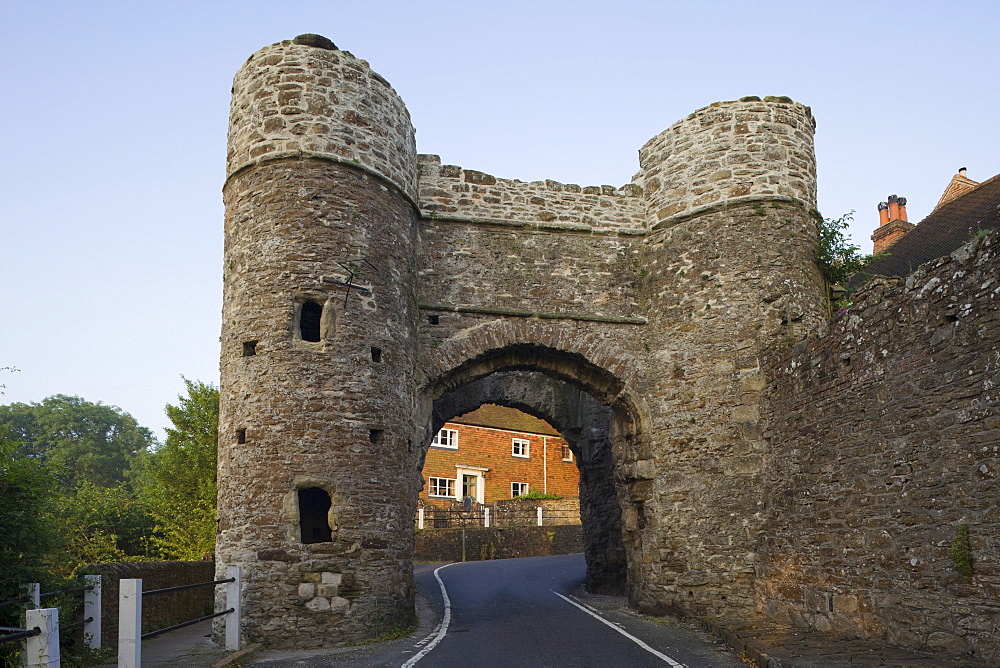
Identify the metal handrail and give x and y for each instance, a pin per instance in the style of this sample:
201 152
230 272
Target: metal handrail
64 591
16 600
152 634
188 586
24 633
79 623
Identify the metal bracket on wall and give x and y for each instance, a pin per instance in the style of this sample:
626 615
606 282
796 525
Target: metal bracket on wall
351 270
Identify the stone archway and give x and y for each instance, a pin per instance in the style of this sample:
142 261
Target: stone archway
585 423
589 407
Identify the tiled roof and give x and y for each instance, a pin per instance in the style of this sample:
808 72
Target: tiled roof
501 417
944 230
959 185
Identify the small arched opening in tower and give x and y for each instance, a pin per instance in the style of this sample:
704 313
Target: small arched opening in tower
310 317
314 509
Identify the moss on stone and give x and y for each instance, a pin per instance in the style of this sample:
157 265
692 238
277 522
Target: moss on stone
961 554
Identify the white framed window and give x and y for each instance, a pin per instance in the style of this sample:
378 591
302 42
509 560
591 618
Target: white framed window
518 489
520 447
441 487
567 454
446 438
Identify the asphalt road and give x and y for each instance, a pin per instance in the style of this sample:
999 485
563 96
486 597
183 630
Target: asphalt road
523 612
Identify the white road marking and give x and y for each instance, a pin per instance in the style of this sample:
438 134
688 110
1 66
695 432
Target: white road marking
442 628
590 611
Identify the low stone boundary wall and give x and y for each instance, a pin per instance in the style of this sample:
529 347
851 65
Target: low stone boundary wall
445 545
521 512
161 610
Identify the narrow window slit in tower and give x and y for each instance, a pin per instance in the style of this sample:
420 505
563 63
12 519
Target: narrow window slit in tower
241 436
309 320
375 435
249 348
434 319
376 354
314 508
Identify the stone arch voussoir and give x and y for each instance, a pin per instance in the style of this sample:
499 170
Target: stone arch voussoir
589 357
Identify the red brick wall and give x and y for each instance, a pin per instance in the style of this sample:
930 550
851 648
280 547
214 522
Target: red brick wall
491 448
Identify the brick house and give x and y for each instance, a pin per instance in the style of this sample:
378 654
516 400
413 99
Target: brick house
965 209
496 453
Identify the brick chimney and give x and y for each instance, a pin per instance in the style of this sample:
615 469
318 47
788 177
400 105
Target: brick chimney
892 223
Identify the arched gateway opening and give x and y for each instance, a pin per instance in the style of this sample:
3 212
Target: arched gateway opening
598 420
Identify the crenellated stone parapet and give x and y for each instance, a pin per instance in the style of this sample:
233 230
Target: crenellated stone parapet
730 151
451 192
302 99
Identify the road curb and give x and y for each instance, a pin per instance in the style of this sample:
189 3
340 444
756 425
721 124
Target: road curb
231 660
743 648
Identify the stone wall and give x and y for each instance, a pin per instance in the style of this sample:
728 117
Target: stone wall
452 193
512 512
445 545
292 99
161 610
728 151
491 270
885 433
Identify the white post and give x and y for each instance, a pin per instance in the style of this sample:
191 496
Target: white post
420 518
42 650
35 594
233 600
130 623
539 516
486 517
92 610
545 464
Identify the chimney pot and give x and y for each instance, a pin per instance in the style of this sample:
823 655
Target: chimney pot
883 213
961 170
893 207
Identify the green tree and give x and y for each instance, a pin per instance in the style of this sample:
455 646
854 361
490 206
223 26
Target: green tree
178 479
100 525
26 534
82 441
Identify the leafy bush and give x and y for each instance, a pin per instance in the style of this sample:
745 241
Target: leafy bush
838 259
535 494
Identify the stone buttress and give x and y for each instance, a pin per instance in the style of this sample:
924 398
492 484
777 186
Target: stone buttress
317 487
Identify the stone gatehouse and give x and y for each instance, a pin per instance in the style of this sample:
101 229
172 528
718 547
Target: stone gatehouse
372 294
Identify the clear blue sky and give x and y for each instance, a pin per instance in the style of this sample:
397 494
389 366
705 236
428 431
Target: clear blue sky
115 126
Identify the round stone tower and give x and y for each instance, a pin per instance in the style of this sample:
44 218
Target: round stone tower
735 182
730 193
316 453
